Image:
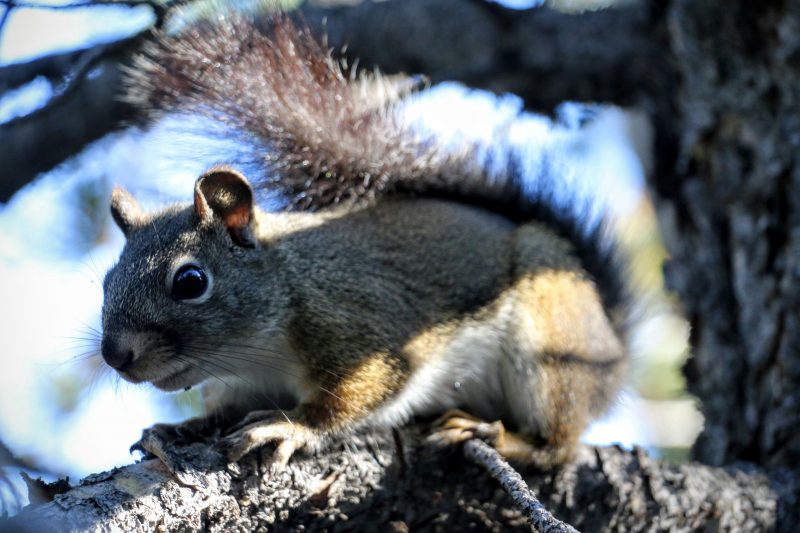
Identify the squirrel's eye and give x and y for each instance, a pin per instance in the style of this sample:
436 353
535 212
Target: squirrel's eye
189 282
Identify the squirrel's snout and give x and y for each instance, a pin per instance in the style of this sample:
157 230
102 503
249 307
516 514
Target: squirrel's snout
117 357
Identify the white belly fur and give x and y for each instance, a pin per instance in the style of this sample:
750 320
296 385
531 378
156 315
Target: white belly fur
465 375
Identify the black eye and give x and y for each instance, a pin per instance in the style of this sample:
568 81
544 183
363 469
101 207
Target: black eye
189 282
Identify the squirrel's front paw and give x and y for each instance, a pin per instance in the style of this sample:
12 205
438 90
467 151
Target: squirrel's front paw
263 427
156 438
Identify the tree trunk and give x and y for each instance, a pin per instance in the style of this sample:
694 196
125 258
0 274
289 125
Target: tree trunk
730 209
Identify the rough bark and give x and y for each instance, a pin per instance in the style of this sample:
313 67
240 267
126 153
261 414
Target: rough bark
730 208
395 479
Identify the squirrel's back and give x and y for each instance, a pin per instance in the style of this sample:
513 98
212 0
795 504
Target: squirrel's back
324 134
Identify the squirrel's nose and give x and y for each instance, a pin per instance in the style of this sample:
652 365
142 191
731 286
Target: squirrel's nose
115 355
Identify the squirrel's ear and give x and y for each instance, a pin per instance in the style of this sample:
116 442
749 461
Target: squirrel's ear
226 194
125 210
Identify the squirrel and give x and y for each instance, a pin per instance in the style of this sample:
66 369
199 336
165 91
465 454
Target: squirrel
401 280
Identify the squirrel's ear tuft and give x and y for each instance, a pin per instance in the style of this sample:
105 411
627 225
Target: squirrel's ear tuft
226 194
125 210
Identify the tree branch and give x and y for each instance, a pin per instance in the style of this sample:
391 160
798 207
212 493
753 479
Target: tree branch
80 4
54 67
85 109
539 517
387 477
5 15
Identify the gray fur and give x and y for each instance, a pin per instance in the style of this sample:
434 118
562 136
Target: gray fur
422 284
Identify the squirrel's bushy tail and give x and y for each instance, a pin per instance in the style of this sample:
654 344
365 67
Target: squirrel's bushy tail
331 135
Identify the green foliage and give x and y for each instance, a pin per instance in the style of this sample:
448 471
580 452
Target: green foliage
662 340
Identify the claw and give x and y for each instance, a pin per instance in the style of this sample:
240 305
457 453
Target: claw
138 447
264 427
456 426
151 444
276 462
154 439
235 446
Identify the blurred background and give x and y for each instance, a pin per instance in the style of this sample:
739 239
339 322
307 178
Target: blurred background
62 412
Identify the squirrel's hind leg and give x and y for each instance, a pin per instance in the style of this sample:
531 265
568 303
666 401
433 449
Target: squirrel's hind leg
563 363
456 427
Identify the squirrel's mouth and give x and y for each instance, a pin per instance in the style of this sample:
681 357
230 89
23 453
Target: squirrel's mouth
181 379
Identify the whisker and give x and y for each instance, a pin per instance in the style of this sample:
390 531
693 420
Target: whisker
97 271
83 356
258 361
363 410
91 280
226 341
155 230
91 328
97 373
211 356
76 347
191 363
256 356
212 360
81 339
